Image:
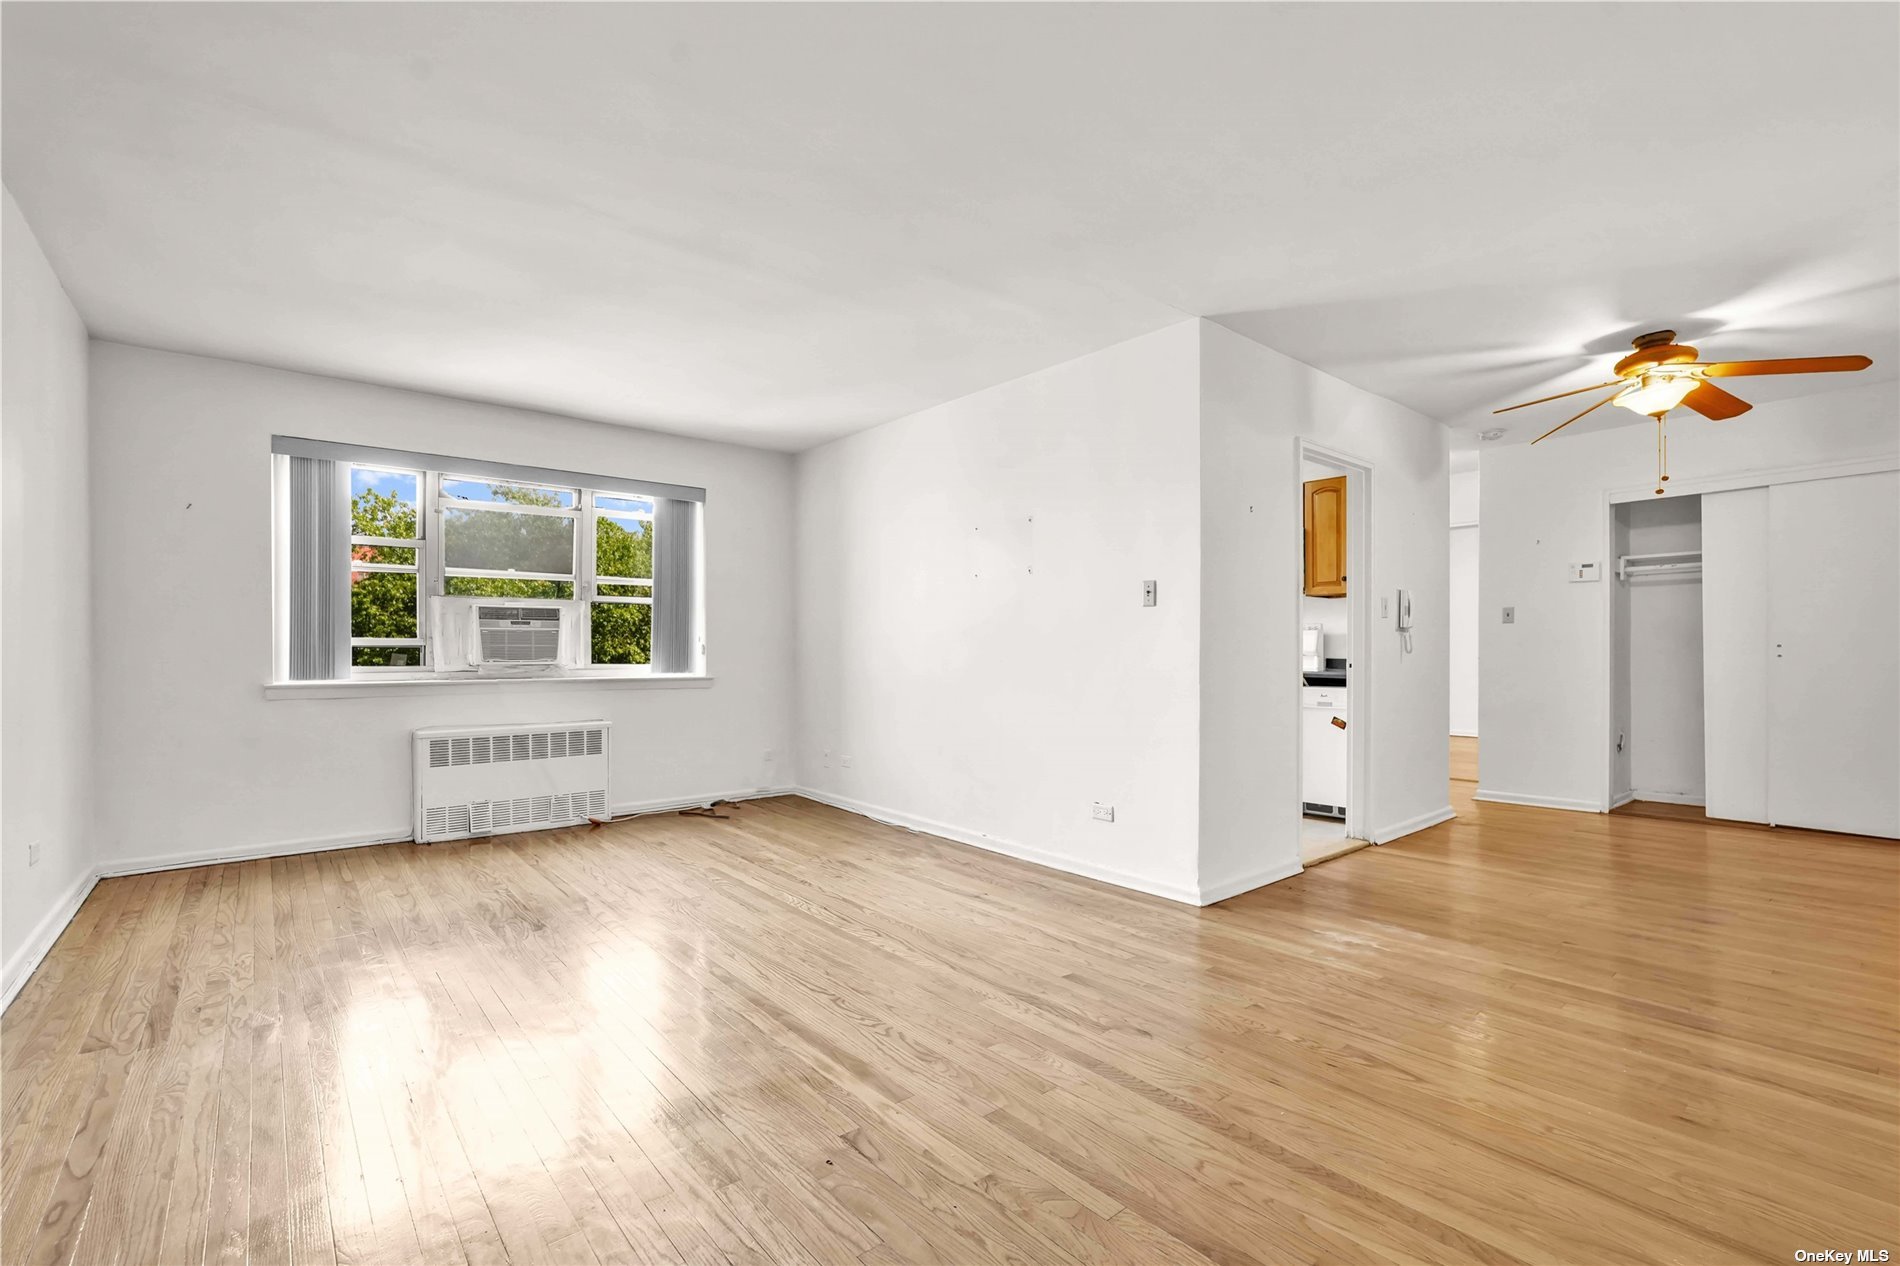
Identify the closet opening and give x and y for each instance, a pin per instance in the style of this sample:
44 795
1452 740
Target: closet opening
1658 763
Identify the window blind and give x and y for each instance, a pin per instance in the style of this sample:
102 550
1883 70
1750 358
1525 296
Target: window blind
317 525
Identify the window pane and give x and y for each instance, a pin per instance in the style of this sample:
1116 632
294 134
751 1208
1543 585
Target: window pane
388 657
495 540
622 633
383 604
383 502
383 554
628 505
623 547
499 587
608 590
500 492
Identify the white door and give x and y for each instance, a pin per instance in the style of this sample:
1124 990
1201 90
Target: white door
1834 654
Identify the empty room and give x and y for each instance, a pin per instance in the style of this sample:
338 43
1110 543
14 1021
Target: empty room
1150 634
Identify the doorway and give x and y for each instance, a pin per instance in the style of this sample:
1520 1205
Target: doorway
1333 692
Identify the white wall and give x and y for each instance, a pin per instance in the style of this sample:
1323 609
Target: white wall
1543 709
45 682
194 760
1665 650
971 636
1255 404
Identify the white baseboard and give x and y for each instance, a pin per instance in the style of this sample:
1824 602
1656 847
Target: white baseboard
1009 848
1537 802
1399 830
1464 734
27 958
1668 797
635 808
1211 893
1621 798
246 853
292 848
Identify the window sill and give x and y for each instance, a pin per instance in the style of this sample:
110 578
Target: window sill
365 688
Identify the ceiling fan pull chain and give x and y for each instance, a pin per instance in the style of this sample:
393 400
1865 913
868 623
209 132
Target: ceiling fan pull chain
1662 455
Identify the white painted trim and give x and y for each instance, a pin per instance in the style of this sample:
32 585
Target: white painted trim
1762 478
1399 830
1464 734
1668 797
402 835
27 958
638 808
1537 802
1466 523
1622 798
1211 893
1009 848
248 853
360 688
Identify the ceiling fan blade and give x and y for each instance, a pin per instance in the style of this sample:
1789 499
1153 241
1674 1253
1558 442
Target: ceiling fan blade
1561 425
1614 382
1798 365
1714 403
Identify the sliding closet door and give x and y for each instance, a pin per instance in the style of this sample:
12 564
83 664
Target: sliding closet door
1735 653
1834 654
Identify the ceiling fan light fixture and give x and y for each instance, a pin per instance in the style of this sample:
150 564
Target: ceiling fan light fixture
1656 393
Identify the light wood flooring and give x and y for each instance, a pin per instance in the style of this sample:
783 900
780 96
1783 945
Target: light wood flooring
799 1036
1464 758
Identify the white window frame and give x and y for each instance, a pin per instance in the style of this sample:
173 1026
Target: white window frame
432 572
421 640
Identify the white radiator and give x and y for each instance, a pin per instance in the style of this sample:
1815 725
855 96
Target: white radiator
492 779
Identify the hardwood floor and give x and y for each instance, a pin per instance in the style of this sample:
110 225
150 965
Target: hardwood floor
1464 758
799 1036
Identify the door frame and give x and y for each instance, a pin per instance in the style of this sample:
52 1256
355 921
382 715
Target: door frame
1613 497
1359 673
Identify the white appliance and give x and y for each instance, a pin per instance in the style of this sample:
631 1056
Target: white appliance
1324 767
507 635
494 779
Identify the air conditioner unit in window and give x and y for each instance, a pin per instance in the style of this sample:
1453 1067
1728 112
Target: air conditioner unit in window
506 636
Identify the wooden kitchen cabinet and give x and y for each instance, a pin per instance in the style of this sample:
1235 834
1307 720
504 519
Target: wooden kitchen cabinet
1325 514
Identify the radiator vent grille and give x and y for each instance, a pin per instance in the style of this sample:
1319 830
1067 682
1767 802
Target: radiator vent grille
489 749
490 781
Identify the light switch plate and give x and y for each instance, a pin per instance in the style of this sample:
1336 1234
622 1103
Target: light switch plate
1510 615
1147 593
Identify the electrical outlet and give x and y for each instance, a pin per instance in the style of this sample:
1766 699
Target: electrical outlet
1103 812
1510 615
33 853
827 758
846 762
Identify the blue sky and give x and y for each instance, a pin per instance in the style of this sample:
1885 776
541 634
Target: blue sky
405 486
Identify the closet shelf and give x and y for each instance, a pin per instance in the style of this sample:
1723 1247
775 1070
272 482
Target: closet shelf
1674 562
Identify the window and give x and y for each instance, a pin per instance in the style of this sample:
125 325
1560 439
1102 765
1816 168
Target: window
428 526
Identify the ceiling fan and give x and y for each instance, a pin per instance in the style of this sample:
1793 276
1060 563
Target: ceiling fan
1662 374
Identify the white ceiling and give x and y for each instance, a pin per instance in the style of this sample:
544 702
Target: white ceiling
779 224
